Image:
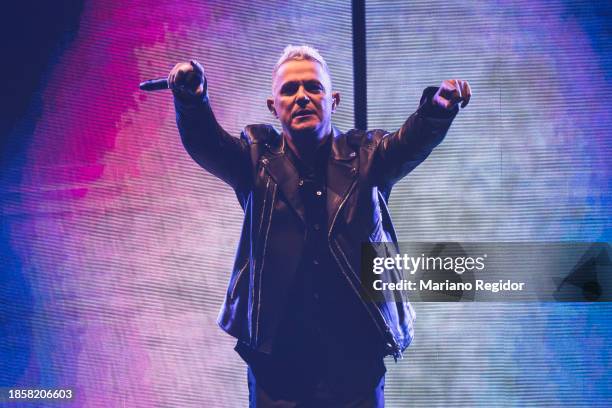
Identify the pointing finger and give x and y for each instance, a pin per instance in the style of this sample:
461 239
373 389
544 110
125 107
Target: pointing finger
197 67
457 84
467 93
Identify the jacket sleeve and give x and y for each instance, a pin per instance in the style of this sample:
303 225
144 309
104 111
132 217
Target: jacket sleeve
397 154
223 155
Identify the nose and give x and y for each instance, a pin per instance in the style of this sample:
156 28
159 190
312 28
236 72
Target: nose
302 98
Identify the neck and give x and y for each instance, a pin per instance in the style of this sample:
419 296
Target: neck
305 145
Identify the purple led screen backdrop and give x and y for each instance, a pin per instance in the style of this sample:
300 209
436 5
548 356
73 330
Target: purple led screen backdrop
116 248
528 160
121 246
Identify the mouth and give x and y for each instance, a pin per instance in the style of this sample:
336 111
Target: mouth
303 112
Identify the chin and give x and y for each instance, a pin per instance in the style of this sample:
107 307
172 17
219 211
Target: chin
304 129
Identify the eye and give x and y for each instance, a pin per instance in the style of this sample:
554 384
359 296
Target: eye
289 88
314 87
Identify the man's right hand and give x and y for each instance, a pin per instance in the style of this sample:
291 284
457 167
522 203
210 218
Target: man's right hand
187 80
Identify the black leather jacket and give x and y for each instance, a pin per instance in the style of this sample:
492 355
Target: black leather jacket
362 168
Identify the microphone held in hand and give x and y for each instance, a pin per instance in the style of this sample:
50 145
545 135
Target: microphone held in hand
154 84
186 78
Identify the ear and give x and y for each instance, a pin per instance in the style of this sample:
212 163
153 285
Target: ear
335 101
270 103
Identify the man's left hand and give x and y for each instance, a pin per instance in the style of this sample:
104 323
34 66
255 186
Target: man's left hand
451 92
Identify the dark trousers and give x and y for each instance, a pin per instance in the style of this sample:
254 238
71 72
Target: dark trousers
321 395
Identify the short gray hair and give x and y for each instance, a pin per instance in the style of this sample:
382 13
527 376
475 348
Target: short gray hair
300 52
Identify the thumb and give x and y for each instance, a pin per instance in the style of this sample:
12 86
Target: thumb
197 67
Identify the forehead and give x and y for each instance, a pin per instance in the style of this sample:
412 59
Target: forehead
300 70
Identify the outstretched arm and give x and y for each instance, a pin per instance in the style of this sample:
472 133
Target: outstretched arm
205 140
398 153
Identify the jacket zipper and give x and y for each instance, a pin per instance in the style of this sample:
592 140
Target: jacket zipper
238 276
263 255
248 262
386 333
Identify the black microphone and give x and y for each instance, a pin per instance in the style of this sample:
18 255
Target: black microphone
154 84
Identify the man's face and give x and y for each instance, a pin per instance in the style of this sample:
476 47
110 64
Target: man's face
303 101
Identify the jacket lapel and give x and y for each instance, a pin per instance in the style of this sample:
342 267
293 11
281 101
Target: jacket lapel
279 167
341 175
342 170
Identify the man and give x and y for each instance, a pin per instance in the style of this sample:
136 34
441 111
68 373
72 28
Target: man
312 195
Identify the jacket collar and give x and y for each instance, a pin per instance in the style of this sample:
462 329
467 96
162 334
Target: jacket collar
341 150
276 144
341 174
